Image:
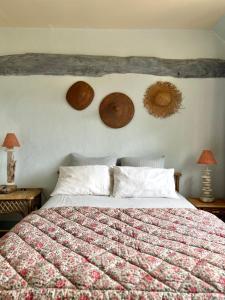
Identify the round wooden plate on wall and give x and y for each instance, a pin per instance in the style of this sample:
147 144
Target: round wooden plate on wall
116 110
80 95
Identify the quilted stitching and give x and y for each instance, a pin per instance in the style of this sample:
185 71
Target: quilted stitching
102 253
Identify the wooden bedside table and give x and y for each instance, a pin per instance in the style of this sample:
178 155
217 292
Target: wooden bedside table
216 207
22 201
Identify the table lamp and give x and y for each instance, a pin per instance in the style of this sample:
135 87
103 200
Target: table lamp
9 143
207 158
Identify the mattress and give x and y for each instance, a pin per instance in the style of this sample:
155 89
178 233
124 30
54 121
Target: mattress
114 253
106 201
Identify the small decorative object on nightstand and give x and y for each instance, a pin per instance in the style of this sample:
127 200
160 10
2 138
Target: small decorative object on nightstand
206 158
9 143
217 207
6 189
22 201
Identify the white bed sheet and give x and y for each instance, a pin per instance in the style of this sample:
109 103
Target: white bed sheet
106 201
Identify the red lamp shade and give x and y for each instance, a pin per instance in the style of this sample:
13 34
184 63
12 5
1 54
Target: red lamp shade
11 141
207 158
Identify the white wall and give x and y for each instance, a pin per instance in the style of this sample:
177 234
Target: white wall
160 43
220 28
49 129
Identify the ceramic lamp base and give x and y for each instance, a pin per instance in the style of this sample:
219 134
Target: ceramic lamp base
204 199
207 192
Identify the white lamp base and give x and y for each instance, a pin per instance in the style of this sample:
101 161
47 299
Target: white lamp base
204 199
11 183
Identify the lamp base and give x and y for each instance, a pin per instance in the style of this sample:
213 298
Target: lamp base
11 166
207 199
7 189
207 192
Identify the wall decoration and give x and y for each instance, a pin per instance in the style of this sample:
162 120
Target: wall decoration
162 99
116 110
80 95
93 65
207 158
10 142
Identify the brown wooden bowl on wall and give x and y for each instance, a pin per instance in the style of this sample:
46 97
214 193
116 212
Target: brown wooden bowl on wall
80 95
116 110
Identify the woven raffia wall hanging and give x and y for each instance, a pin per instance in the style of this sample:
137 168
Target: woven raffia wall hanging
162 99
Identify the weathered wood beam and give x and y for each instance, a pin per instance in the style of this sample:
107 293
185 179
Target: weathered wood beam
91 65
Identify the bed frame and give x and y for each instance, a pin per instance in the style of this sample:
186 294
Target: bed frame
177 176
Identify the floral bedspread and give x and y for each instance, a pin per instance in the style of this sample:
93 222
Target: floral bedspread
104 253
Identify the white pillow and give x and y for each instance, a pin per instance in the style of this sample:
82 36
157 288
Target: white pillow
83 180
144 182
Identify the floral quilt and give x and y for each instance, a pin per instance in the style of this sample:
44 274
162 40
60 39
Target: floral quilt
106 253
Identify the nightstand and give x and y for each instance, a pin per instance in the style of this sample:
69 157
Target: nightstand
22 201
216 207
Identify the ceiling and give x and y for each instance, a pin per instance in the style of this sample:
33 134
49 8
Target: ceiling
139 14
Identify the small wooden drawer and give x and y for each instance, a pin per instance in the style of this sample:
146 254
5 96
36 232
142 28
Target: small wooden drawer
217 207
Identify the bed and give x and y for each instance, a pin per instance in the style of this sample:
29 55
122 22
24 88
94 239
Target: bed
92 247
